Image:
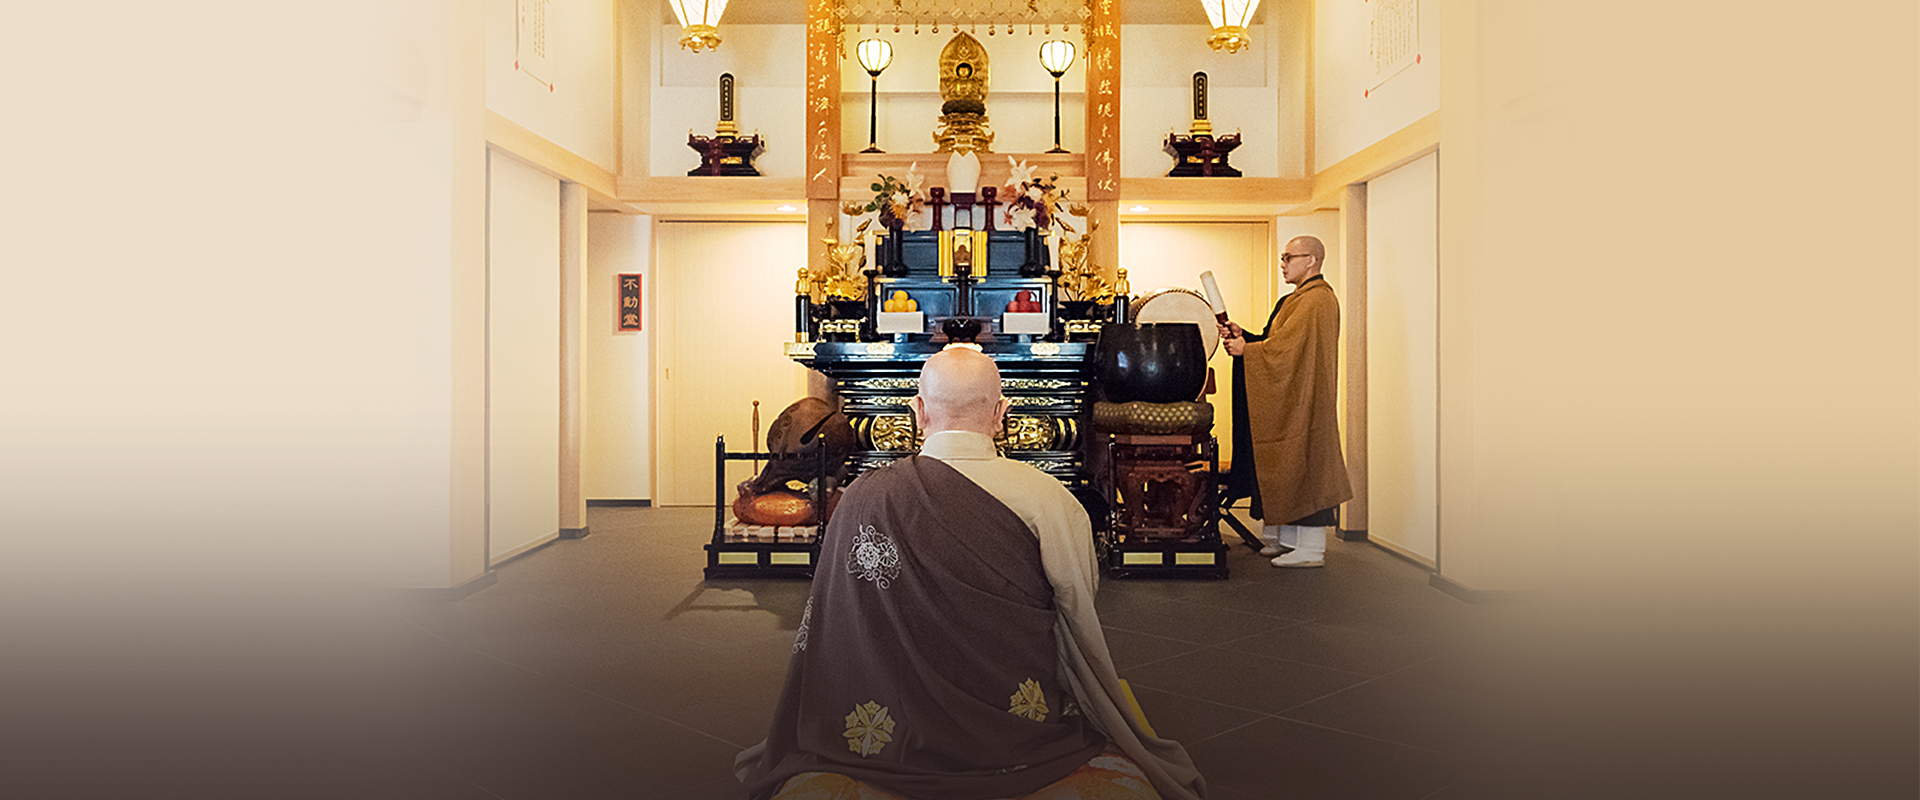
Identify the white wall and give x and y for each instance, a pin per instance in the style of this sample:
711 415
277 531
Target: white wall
1348 113
523 356
1157 63
768 63
1402 357
577 103
616 460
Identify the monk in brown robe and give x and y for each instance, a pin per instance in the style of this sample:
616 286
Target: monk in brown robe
949 649
1287 379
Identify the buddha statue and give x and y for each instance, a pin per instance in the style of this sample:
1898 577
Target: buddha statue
963 94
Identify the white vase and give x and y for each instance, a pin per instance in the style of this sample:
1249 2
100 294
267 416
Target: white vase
963 173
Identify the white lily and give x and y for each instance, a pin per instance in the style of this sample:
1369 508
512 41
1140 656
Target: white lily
1019 175
915 180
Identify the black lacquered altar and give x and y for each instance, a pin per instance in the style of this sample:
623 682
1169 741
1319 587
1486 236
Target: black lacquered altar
1048 386
869 324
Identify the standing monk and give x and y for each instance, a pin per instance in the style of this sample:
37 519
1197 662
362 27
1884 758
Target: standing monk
1286 381
949 649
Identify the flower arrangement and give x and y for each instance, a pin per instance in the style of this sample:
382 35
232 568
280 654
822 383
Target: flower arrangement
894 200
1037 202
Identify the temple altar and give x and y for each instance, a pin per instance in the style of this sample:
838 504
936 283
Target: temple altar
1047 384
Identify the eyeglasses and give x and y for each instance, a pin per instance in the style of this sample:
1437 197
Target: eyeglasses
1286 257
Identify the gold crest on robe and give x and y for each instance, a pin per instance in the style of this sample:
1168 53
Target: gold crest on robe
963 95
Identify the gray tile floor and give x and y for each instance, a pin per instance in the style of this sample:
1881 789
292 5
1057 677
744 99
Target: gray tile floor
607 667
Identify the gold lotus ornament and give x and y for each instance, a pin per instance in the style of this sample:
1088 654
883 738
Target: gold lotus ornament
842 278
1079 278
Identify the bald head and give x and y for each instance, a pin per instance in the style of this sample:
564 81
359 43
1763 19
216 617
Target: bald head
959 390
1310 245
1301 259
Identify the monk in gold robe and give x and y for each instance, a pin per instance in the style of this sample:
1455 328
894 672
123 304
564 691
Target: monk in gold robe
1287 378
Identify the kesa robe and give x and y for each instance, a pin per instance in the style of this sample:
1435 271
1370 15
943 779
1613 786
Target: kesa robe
1292 420
966 520
925 662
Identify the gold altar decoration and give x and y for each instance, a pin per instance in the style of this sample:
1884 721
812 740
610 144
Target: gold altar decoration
962 248
996 17
963 95
1029 433
889 433
1229 19
842 277
1079 278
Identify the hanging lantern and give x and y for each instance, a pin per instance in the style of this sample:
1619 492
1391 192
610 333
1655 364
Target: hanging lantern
1056 56
701 21
1229 19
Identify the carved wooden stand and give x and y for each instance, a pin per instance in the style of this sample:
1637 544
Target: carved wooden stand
1201 156
1165 518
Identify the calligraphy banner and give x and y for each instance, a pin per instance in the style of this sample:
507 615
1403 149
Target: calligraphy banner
627 307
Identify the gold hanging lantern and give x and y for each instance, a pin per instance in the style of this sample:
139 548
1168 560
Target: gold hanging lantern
1229 19
701 21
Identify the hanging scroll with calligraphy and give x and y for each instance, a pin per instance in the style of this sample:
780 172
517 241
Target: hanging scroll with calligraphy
1393 39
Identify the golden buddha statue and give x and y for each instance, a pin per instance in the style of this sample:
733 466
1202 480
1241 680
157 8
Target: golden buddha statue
963 94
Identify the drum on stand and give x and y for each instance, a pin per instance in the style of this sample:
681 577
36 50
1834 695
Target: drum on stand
1175 304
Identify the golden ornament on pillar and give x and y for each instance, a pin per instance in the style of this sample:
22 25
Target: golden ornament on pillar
963 95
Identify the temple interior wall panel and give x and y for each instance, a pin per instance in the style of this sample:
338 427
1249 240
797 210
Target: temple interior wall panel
523 357
724 304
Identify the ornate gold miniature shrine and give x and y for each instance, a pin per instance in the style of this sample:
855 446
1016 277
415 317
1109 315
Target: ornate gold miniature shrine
963 94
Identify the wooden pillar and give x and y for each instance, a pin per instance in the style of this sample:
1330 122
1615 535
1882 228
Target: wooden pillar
1353 322
1103 130
823 125
573 272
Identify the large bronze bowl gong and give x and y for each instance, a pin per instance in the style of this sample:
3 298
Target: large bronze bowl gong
1154 362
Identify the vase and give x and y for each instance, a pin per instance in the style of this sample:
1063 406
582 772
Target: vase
963 173
1153 362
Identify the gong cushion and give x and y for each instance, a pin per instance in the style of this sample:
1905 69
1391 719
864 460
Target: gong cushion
1140 416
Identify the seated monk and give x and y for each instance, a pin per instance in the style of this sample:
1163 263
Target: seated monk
950 650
